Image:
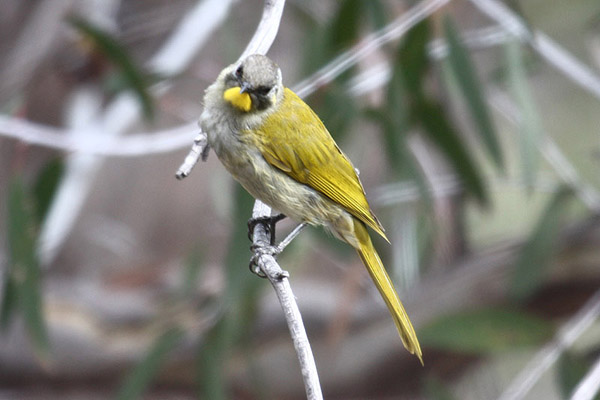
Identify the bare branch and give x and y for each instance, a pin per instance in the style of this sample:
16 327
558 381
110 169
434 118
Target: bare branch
94 144
589 386
551 152
548 355
123 112
259 44
368 45
280 282
557 56
267 29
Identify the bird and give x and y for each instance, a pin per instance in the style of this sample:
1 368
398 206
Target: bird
280 151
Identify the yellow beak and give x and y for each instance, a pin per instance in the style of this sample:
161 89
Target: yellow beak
238 99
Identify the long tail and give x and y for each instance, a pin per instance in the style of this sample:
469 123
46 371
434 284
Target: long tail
371 260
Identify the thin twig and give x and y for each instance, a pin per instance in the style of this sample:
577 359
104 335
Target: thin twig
551 152
548 355
368 45
557 56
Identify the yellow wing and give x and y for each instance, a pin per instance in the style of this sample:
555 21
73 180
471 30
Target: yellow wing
303 149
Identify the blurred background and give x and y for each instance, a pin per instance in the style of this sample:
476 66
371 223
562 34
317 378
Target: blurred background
475 126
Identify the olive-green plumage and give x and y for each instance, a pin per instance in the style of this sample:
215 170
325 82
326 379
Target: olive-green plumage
280 151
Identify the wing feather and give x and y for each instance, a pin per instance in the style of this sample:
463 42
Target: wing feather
304 150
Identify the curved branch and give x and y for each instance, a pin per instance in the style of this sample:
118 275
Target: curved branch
94 144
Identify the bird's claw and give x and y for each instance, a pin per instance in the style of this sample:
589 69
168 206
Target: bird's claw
259 251
269 223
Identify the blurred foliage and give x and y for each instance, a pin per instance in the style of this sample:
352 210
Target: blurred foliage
485 331
409 105
133 77
239 305
140 378
45 187
334 106
339 119
536 255
192 268
530 125
435 389
466 76
572 367
22 281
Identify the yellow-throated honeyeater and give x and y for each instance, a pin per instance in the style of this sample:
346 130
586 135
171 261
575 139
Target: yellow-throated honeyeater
280 151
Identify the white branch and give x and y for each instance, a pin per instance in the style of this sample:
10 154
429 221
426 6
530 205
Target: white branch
96 144
179 137
123 112
545 46
278 278
548 355
589 386
368 45
552 153
267 29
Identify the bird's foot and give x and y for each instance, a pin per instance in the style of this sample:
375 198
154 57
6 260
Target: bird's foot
259 251
269 223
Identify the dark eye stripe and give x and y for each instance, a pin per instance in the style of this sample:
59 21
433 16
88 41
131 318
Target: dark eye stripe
262 90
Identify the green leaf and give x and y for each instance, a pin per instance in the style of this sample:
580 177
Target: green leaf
211 361
337 110
530 124
45 187
571 370
485 331
138 380
10 300
343 30
239 305
535 256
24 266
377 12
114 51
192 265
398 154
466 77
395 145
412 61
442 133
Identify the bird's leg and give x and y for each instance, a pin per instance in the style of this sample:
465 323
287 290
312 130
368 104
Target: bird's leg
259 250
269 223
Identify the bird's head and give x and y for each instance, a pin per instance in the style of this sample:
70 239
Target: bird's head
254 84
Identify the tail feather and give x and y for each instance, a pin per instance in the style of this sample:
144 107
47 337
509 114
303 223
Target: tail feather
373 263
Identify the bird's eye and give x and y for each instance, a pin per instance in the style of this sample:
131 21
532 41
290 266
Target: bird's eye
239 72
